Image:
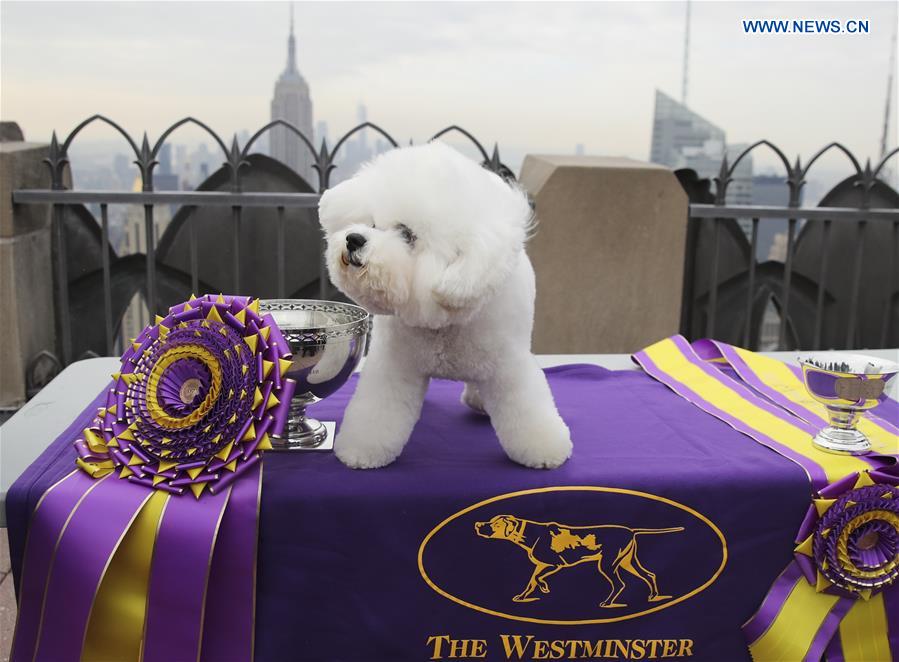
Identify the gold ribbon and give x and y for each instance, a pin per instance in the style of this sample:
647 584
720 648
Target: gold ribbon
863 632
792 632
116 626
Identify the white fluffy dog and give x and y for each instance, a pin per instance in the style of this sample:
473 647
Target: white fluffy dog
433 245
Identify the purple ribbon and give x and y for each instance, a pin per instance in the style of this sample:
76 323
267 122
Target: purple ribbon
47 522
84 551
829 627
228 631
178 579
756 626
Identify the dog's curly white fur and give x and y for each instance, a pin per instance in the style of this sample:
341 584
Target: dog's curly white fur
433 245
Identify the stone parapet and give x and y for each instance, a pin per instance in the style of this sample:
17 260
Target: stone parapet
26 272
608 252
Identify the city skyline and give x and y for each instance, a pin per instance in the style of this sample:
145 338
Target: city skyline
292 103
534 78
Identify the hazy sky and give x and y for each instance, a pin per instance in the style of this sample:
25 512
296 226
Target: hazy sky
535 77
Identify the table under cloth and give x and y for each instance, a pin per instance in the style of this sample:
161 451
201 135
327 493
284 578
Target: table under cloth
387 564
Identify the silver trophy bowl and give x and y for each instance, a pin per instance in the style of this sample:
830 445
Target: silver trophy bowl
847 385
327 339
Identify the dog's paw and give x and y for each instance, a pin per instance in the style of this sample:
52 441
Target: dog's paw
471 398
522 598
542 450
358 454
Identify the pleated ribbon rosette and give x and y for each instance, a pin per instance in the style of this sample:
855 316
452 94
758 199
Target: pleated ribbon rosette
198 395
838 599
148 549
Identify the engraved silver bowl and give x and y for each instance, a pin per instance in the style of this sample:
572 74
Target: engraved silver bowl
327 339
847 385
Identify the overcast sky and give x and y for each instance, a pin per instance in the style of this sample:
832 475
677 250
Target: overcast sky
535 77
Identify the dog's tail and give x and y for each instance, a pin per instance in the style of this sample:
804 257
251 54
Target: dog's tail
673 529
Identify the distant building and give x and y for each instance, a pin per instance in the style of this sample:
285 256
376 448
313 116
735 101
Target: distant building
356 150
739 191
772 191
292 103
683 139
164 177
165 159
124 170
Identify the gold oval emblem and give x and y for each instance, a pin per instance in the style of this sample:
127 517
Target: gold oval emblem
535 556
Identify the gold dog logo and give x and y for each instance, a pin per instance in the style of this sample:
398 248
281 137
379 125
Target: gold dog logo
580 567
552 547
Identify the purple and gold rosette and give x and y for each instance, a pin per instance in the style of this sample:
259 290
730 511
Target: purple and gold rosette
198 395
849 540
121 562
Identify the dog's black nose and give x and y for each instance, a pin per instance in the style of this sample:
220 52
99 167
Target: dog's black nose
354 241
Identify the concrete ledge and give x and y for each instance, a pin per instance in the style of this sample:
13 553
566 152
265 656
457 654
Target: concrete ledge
27 324
608 252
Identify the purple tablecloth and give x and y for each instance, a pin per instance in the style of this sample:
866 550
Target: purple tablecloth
343 575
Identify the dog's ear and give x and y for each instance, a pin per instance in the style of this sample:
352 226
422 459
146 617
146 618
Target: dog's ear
486 254
344 205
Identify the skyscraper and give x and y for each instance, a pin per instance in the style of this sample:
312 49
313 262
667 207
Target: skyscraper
293 103
683 139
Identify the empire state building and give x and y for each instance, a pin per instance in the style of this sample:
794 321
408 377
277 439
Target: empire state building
292 103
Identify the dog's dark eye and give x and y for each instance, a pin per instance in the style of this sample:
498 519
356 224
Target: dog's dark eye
407 234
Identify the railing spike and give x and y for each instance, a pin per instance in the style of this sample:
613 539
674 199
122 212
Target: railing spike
722 180
323 166
56 160
145 162
235 162
795 180
495 163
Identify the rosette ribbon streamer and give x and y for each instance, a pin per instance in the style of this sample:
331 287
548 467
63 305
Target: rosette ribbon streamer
147 550
839 598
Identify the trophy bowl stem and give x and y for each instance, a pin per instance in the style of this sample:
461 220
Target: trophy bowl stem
842 441
300 431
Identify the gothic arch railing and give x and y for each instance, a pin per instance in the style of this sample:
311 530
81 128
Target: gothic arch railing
874 205
235 156
146 153
796 173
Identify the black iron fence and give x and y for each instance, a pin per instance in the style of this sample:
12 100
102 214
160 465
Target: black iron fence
162 284
838 285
